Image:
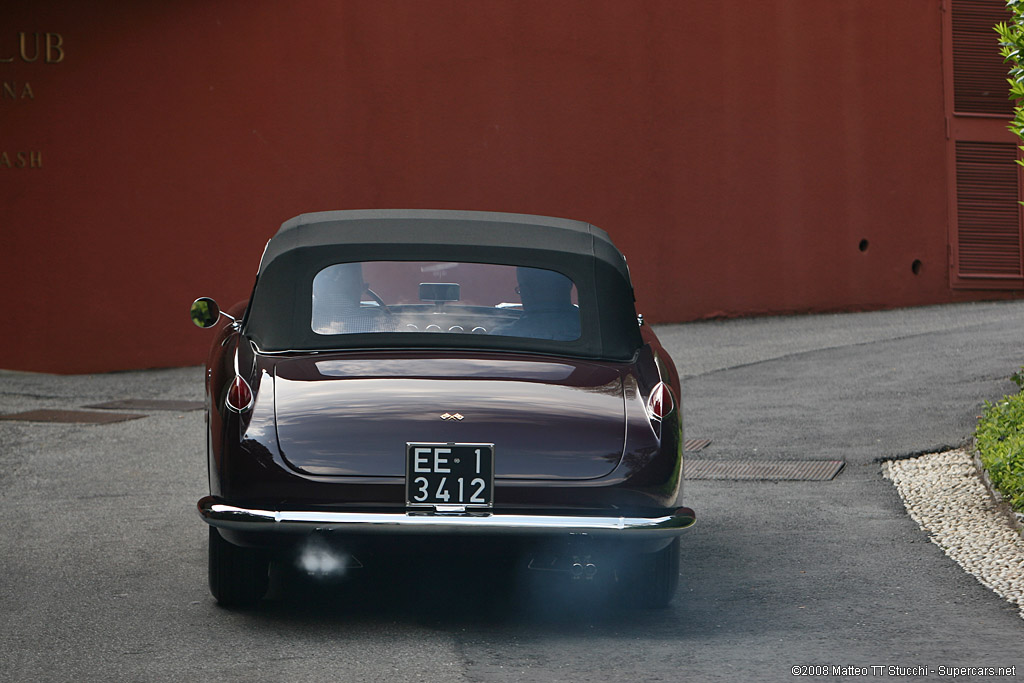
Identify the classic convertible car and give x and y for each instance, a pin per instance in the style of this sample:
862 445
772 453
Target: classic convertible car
432 380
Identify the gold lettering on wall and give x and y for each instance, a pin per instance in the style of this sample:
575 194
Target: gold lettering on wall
14 90
54 48
21 160
32 46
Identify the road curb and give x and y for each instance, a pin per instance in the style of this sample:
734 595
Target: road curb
1015 519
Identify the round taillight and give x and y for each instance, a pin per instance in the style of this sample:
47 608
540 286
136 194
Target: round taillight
239 396
660 402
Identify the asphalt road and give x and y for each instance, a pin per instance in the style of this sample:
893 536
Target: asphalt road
103 558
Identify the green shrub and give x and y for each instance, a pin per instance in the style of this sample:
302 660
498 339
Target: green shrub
1011 41
1000 433
1000 439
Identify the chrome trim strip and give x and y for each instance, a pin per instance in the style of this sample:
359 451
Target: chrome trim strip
442 349
225 516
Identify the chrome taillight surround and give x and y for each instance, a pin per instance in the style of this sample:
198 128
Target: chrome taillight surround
660 403
239 398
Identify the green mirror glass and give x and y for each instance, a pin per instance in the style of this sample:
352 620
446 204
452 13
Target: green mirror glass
205 312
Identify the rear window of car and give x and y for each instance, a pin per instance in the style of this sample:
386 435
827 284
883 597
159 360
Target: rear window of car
446 298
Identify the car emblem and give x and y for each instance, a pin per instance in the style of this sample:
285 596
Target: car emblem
451 416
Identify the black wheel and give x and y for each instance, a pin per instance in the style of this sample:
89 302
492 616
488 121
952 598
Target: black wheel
652 579
238 576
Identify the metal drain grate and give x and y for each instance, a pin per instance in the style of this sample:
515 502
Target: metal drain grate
148 404
778 470
70 416
692 445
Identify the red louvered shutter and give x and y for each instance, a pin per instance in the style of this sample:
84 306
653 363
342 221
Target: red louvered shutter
985 215
979 75
988 215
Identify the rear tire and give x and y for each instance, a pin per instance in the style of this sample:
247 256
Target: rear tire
238 576
652 579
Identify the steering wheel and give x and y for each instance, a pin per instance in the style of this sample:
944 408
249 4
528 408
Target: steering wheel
376 297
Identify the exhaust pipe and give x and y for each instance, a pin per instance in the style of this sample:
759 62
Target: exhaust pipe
578 568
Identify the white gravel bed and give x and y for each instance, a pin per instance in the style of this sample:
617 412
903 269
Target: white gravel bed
944 494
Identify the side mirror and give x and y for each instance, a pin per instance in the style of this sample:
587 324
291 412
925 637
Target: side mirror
205 312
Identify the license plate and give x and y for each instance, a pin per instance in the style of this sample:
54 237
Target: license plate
450 474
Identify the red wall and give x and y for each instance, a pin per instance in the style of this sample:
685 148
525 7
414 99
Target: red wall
737 152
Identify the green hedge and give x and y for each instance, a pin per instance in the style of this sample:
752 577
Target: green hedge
1000 433
1011 41
1000 439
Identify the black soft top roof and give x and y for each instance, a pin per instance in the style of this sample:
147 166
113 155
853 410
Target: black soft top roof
364 233
279 313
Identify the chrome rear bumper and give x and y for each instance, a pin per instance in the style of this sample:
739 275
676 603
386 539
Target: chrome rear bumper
234 518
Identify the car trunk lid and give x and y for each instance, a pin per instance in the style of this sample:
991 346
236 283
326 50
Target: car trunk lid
353 416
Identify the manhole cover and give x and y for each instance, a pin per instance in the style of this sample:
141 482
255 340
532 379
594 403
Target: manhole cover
778 470
148 404
70 416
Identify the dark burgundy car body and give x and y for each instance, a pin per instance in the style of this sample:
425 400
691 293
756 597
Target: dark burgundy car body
312 433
